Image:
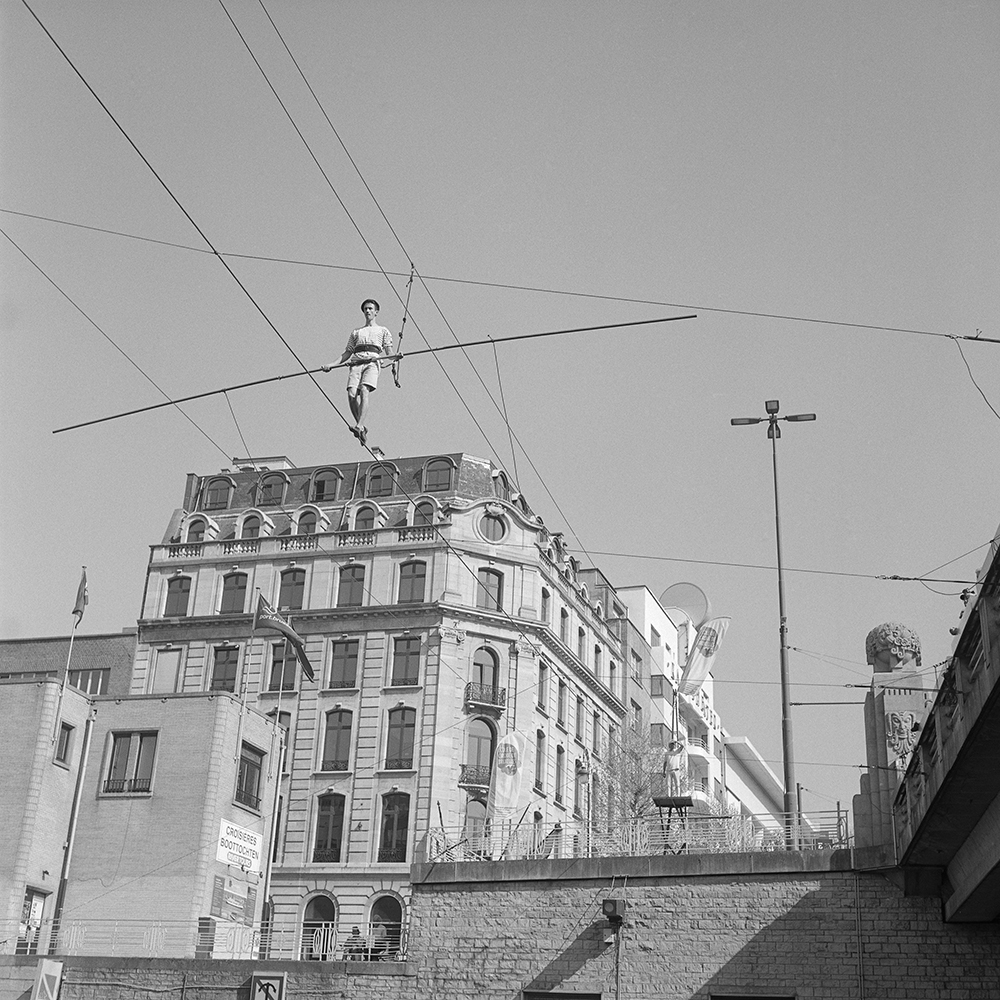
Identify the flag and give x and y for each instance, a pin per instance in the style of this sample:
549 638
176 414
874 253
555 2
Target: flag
505 781
81 598
267 617
702 655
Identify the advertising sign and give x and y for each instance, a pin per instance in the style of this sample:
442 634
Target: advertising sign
240 847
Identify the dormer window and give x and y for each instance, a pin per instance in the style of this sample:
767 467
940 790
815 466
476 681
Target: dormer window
325 486
272 490
423 514
364 520
381 481
251 527
307 523
217 494
437 475
196 532
501 485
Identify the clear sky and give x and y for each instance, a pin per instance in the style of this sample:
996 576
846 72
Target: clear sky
835 161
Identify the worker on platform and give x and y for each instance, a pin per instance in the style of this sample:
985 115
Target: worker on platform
366 346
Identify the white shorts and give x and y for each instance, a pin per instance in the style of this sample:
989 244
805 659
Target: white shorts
363 373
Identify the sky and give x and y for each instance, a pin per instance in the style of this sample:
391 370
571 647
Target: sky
815 181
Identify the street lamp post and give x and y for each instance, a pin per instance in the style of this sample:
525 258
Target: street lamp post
774 432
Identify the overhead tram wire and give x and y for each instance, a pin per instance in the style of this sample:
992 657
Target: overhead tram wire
413 270
629 300
411 354
117 347
353 222
173 197
185 212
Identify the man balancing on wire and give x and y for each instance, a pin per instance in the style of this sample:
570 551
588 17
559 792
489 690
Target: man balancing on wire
365 347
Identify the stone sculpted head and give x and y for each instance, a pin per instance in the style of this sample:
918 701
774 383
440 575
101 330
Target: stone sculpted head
891 647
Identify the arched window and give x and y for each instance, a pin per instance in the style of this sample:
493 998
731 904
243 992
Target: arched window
217 494
387 913
399 745
319 930
412 577
485 668
329 829
325 485
234 594
546 604
307 523
501 486
493 527
337 741
381 481
293 587
364 519
489 592
395 821
563 625
437 475
479 747
423 514
251 527
272 490
178 591
196 531
475 826
352 586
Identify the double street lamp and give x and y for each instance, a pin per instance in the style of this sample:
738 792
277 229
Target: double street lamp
774 432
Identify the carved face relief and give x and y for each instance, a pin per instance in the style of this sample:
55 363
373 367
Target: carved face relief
901 732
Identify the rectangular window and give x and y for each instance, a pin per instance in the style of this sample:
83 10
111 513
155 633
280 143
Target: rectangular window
658 734
248 780
166 671
64 743
412 577
598 662
405 660
489 590
395 823
546 605
613 677
293 588
178 592
92 681
580 719
234 594
224 668
563 625
561 704
636 717
337 743
539 761
578 780
560 772
581 645
636 666
596 737
543 685
329 829
344 664
654 637
283 664
131 765
352 587
399 745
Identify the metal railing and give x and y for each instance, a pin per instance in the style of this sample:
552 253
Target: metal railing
482 694
654 834
208 938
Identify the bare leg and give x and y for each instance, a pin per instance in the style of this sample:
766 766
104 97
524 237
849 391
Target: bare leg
355 404
362 405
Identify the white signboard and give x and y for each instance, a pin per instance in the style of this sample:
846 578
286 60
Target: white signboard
240 847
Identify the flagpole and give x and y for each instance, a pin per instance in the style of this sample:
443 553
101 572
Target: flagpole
243 686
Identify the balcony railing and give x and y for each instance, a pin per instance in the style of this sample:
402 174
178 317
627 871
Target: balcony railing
265 545
247 798
399 763
125 785
481 694
646 837
326 855
475 776
392 855
334 765
384 941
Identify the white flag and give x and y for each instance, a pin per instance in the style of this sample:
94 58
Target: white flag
702 655
505 782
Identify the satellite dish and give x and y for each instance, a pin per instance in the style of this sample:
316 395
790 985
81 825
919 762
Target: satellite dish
690 599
